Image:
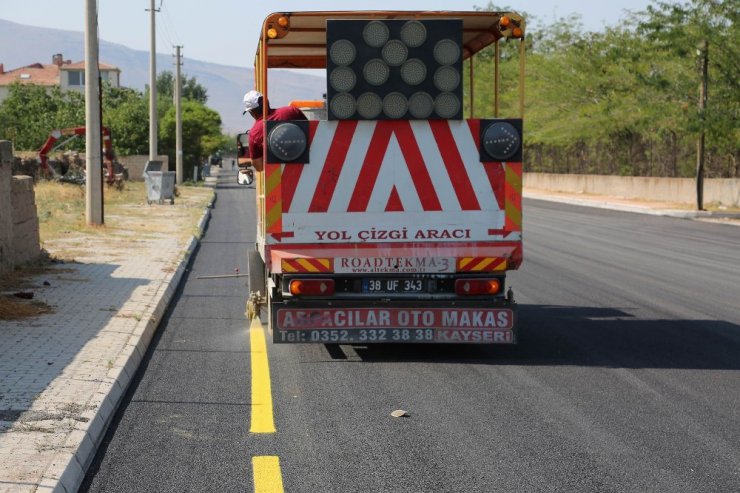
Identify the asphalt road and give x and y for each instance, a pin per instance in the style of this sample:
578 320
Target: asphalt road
627 377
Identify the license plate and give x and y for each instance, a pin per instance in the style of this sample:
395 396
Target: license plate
393 285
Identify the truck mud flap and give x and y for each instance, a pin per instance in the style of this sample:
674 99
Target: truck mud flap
354 322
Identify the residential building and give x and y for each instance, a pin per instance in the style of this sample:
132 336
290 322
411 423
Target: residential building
60 73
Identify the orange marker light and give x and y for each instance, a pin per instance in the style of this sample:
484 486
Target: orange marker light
283 22
504 21
517 32
477 287
312 287
272 33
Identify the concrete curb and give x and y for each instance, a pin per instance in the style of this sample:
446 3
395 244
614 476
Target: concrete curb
67 470
620 207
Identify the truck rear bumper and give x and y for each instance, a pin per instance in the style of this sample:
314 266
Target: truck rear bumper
391 321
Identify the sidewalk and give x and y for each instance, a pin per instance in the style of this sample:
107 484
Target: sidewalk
63 375
636 206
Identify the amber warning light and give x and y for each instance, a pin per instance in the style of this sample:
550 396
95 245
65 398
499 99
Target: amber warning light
477 287
312 287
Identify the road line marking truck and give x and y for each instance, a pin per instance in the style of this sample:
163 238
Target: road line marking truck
394 218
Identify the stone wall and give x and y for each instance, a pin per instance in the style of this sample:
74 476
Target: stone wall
135 165
7 253
19 224
26 241
717 191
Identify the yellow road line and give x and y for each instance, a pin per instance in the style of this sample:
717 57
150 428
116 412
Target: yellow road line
267 475
262 417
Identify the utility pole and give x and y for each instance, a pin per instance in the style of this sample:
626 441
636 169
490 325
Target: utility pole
93 141
152 84
704 54
178 117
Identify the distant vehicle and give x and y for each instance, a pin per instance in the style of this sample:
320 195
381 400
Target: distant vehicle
394 219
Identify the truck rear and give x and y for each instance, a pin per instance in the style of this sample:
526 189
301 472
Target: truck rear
395 219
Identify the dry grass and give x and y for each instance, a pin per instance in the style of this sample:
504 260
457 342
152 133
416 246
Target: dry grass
129 224
16 309
61 211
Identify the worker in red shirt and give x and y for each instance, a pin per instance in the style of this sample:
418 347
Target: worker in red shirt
253 103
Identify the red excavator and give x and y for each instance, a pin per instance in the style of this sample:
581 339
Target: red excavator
73 133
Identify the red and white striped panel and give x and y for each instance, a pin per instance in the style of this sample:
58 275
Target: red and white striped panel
422 178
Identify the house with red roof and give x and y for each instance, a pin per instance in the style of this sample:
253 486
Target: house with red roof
60 73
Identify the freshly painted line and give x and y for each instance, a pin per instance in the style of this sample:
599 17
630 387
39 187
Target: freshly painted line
262 416
267 475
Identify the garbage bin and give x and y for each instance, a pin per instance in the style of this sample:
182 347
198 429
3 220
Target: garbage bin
160 185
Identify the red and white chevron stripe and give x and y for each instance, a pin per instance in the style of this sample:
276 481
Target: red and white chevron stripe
395 174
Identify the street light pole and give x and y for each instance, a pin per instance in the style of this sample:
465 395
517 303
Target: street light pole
93 141
178 118
152 84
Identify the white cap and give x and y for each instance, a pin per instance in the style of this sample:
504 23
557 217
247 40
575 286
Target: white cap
251 100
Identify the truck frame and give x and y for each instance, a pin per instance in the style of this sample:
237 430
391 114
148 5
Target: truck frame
394 219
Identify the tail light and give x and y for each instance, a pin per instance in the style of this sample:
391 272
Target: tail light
312 287
477 287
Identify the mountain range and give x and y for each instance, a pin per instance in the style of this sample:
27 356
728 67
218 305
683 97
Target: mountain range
22 45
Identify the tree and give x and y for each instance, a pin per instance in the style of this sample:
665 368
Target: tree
31 112
126 113
191 89
201 133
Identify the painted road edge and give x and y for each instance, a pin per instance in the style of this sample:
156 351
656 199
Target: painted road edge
68 468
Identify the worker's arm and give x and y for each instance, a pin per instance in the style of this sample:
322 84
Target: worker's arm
256 163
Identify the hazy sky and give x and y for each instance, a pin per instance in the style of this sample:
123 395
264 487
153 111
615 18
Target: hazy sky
226 31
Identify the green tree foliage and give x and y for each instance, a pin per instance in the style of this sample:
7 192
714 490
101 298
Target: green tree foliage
191 89
31 112
201 134
625 100
126 113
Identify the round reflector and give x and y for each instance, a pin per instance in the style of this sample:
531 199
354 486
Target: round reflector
446 52
421 105
376 72
342 52
413 72
375 34
501 140
342 79
413 33
287 142
395 105
395 52
342 105
369 105
446 105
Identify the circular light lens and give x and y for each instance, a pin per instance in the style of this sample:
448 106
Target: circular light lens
501 140
446 52
446 78
413 33
375 34
369 105
413 72
395 105
395 52
342 79
342 105
376 72
342 52
446 105
421 105
287 142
